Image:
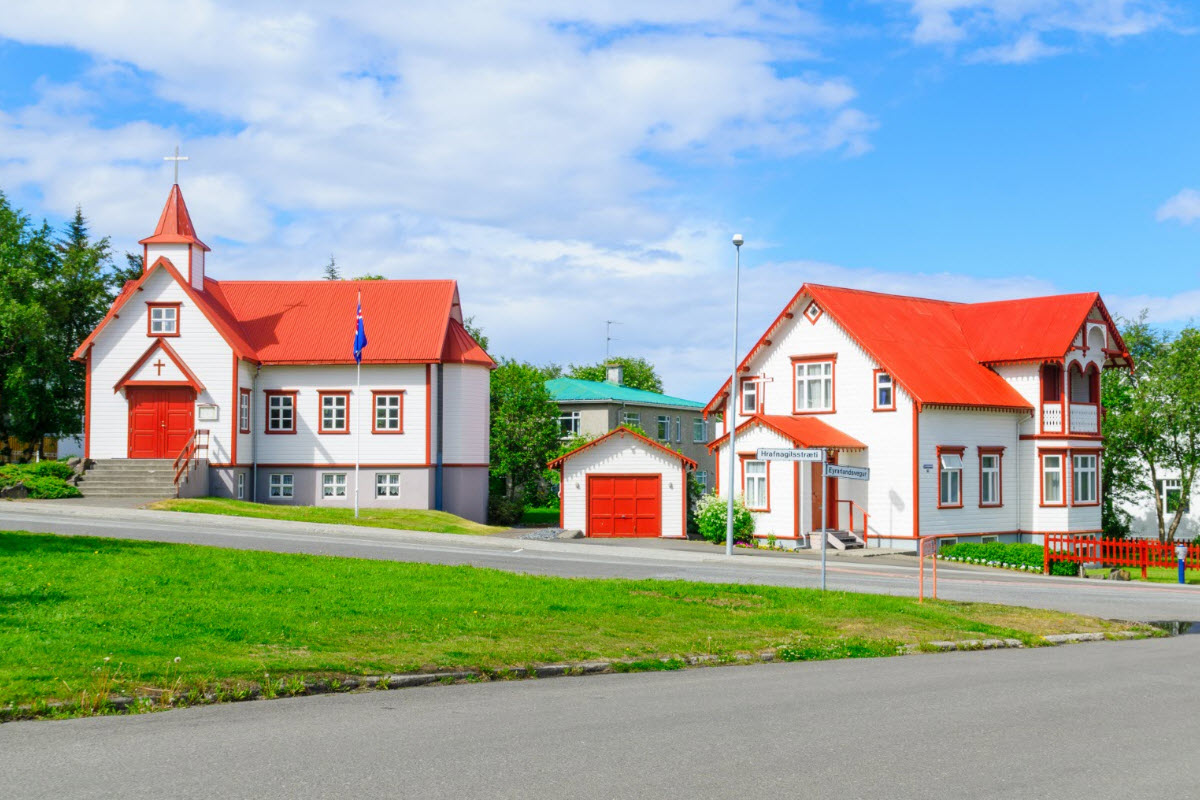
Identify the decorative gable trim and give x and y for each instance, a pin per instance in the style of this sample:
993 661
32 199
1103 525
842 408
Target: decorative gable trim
190 378
621 431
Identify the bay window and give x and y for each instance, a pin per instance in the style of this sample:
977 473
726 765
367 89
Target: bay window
1084 479
1052 479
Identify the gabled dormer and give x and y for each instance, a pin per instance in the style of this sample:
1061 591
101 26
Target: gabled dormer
175 239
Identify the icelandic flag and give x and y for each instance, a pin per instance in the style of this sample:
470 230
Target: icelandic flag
360 334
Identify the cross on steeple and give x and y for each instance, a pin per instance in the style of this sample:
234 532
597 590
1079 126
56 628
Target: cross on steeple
176 158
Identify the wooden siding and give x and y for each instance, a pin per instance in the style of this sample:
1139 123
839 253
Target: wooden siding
623 455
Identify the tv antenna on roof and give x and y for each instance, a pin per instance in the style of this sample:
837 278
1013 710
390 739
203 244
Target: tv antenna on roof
608 337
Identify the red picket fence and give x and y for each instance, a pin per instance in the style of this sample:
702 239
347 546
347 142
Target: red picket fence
1116 552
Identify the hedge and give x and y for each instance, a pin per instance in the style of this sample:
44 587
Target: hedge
1024 557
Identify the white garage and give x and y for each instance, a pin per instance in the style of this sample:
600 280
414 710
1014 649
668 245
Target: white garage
624 485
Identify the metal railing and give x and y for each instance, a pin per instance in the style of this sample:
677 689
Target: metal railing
851 505
190 454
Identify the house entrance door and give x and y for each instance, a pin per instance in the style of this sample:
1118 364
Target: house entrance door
161 420
831 495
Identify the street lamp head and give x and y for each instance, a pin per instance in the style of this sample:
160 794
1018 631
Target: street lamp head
738 240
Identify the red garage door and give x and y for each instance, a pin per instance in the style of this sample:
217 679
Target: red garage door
624 505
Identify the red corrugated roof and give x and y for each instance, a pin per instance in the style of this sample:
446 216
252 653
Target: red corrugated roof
802 431
304 322
938 350
621 431
461 348
175 223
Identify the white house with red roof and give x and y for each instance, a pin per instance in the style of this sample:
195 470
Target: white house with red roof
976 420
248 387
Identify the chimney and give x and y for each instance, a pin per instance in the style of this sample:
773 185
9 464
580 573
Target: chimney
614 373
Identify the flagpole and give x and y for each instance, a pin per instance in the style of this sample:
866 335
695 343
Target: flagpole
358 425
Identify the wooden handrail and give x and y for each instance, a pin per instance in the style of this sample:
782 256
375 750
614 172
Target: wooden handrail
866 518
191 452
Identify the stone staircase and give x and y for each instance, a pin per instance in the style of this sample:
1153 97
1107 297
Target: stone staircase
129 477
842 540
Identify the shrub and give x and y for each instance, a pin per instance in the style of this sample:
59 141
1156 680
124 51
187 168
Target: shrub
51 469
1065 568
502 511
47 488
1014 554
710 520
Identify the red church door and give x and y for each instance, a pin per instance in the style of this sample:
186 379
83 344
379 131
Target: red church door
160 420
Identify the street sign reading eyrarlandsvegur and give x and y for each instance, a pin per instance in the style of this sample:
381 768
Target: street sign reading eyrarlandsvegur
789 454
853 473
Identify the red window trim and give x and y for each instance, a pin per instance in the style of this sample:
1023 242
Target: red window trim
1065 480
998 451
758 409
820 312
742 459
875 391
830 357
268 394
375 413
1084 451
242 392
321 411
953 450
150 306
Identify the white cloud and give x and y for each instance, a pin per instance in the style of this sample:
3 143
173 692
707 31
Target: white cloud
1013 31
1184 207
1176 309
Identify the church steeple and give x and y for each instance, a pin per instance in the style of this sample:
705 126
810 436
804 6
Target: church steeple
175 238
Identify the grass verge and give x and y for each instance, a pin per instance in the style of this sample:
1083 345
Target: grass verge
84 618
399 518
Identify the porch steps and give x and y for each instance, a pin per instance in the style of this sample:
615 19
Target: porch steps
842 540
129 477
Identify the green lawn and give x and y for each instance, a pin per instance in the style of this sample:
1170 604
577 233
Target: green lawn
399 518
82 616
1153 574
540 517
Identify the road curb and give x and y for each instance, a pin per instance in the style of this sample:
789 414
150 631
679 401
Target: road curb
161 700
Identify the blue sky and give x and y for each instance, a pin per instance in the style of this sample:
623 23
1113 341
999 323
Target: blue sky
570 165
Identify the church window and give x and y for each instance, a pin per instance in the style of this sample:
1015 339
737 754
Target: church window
335 412
281 412
163 319
389 412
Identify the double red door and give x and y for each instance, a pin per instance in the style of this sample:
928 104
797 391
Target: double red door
624 505
161 420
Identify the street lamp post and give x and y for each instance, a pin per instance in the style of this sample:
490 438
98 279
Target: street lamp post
730 406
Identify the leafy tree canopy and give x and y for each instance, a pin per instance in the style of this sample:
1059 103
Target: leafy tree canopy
639 373
524 425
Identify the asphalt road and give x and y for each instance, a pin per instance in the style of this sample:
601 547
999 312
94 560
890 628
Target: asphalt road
1089 721
1113 600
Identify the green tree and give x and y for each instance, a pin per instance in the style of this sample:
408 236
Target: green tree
1152 421
476 332
524 427
638 373
132 270
370 276
331 270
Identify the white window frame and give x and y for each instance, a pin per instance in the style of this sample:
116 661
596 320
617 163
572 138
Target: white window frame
387 484
390 403
168 324
989 479
241 486
633 418
884 383
277 408
749 393
283 484
1168 487
1083 476
754 485
568 424
815 372
332 409
699 425
663 429
702 478
679 430
1058 472
330 488
243 411
950 480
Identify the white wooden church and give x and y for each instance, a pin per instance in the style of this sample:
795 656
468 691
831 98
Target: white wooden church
246 389
976 420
